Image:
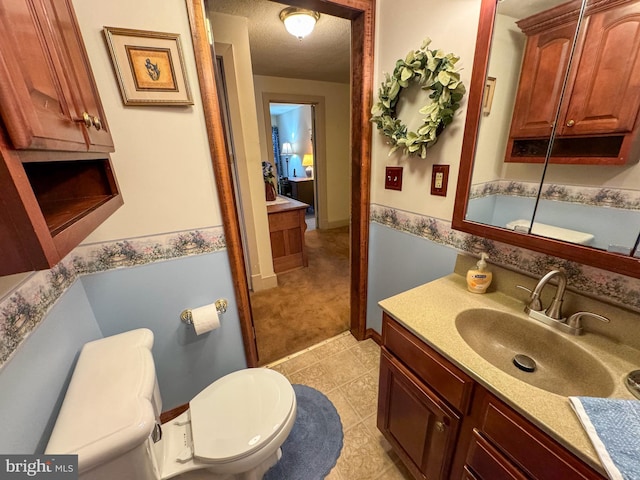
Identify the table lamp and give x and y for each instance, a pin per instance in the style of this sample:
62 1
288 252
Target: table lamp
307 161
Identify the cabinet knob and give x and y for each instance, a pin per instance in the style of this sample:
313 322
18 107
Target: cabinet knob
440 427
86 119
571 123
97 123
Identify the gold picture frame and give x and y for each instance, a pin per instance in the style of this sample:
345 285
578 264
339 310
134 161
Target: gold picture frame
149 67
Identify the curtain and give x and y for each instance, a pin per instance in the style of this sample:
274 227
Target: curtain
275 137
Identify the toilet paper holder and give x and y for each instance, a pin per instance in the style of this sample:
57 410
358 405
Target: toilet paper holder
221 306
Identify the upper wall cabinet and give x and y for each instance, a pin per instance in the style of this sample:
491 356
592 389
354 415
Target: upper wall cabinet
48 97
57 183
597 119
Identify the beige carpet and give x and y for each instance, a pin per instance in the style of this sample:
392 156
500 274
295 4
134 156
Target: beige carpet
310 304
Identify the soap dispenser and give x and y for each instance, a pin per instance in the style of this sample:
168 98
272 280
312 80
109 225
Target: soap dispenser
480 278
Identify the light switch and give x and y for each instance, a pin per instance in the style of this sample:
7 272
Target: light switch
393 178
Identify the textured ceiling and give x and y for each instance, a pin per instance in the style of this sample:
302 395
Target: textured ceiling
323 55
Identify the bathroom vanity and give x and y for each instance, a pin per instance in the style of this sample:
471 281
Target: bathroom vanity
451 411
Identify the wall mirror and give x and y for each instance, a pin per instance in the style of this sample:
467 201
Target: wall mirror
552 138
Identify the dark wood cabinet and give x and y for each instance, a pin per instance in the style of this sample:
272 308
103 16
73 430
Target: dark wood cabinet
302 190
505 445
598 115
421 401
443 425
484 461
56 177
417 423
48 97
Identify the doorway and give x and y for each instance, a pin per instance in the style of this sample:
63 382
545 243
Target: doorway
310 304
294 154
360 13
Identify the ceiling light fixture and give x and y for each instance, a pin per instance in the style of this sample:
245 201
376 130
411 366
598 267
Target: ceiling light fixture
299 22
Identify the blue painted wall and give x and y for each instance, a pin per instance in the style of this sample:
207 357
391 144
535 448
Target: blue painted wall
153 296
399 261
610 226
34 381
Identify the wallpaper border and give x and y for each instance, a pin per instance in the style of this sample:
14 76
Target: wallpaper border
24 308
625 199
606 286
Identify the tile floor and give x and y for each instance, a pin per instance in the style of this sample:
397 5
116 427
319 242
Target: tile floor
347 371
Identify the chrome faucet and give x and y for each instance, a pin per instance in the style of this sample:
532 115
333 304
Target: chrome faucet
554 310
553 314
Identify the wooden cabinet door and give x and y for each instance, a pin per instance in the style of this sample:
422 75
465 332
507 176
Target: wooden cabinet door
420 427
85 96
34 100
46 84
543 72
606 91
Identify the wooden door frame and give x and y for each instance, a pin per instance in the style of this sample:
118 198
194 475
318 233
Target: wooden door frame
361 13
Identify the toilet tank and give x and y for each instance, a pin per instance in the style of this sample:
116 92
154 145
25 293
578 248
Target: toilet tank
110 408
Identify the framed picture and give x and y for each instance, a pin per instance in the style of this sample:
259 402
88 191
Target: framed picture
149 67
489 90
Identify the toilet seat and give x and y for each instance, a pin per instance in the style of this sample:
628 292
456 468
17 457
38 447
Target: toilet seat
238 414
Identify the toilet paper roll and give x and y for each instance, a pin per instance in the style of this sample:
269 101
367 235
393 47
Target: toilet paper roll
205 319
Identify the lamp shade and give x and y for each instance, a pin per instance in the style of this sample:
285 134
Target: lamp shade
299 22
286 149
307 160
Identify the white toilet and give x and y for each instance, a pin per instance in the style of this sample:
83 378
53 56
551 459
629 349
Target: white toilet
233 429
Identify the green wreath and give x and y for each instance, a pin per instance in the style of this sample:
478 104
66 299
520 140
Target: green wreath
432 70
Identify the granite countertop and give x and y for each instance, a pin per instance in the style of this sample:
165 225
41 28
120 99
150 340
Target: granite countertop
430 311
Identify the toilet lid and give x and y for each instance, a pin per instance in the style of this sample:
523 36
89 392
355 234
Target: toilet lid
237 414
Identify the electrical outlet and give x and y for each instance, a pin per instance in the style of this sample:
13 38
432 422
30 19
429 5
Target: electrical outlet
439 180
393 178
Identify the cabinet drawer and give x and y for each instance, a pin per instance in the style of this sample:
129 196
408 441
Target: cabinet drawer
484 462
284 220
536 453
445 378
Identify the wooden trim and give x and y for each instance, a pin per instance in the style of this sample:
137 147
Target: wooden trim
361 13
474 110
221 166
362 96
375 336
564 13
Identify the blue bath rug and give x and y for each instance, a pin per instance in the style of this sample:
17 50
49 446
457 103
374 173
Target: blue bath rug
315 441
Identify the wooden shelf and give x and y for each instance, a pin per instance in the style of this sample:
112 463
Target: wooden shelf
597 150
62 214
